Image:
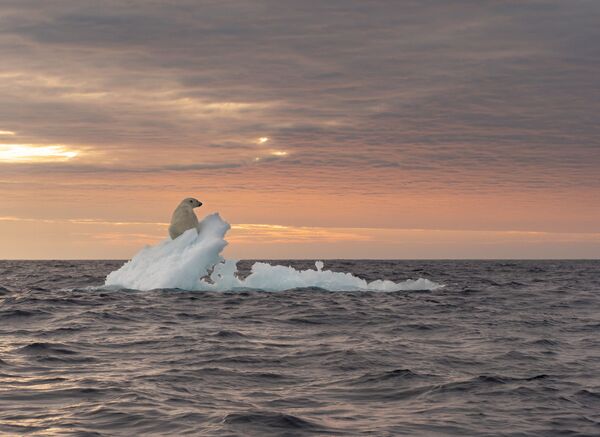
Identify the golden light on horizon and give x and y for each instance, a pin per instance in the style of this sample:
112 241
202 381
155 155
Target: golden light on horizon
7 132
279 153
35 153
263 140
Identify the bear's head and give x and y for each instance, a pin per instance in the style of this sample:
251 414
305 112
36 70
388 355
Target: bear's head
191 202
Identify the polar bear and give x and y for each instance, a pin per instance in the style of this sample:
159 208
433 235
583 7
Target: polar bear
183 217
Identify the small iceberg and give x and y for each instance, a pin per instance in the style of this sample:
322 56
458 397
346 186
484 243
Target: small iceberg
193 262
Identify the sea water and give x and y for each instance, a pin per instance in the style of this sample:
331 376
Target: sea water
505 348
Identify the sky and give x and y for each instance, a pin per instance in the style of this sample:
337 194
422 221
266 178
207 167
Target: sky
318 129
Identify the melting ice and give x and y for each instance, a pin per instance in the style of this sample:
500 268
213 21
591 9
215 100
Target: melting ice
193 261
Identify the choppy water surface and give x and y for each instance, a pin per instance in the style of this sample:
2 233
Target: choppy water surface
505 348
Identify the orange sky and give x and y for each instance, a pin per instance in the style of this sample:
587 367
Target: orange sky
319 131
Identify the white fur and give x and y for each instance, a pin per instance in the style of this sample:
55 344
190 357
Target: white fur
184 217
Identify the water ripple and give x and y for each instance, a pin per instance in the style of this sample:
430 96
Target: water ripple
506 348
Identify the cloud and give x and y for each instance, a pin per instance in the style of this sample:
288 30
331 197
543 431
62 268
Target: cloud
105 238
385 100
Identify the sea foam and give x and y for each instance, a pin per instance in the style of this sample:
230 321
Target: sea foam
193 261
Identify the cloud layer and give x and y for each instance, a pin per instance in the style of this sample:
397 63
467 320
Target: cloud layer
382 102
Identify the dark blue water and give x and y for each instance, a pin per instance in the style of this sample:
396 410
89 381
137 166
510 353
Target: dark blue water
506 348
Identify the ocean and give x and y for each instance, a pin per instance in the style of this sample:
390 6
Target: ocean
504 348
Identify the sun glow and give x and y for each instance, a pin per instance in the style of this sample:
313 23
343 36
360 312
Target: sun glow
6 132
279 153
35 153
262 140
